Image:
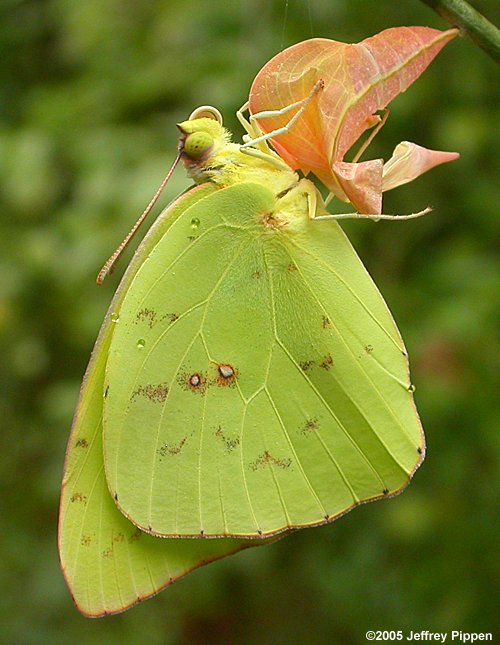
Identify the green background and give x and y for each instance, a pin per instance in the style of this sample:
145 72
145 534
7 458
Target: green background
89 95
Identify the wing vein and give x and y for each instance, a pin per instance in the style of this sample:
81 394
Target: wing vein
362 369
319 260
271 401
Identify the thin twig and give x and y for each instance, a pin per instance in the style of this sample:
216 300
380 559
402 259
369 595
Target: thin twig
460 14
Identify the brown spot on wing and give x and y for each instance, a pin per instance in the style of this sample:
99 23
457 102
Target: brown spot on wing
151 317
306 366
310 425
154 393
267 459
229 444
79 497
226 375
327 362
171 449
136 535
170 318
146 315
193 381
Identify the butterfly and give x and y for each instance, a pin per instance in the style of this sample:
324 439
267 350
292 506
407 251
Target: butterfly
248 379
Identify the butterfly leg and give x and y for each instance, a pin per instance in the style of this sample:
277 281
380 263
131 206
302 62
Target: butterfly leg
315 202
270 156
316 206
379 124
373 216
253 127
263 151
303 198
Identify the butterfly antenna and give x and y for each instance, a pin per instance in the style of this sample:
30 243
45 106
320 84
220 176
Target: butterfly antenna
110 263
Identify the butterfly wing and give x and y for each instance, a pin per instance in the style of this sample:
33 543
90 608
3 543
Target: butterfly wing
256 380
108 563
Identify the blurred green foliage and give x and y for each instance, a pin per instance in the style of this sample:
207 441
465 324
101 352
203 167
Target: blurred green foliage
89 95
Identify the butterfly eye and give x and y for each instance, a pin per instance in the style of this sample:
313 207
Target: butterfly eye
197 144
207 112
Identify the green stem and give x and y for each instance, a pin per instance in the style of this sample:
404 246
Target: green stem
460 14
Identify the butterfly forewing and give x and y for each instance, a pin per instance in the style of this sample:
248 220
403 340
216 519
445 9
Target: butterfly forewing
257 381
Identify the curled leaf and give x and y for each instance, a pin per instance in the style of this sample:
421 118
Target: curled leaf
409 161
361 183
359 80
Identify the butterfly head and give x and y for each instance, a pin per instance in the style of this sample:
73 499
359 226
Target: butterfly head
202 135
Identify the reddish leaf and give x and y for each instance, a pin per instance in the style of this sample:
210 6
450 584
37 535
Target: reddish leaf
358 80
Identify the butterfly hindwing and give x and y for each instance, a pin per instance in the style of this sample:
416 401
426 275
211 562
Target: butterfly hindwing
108 563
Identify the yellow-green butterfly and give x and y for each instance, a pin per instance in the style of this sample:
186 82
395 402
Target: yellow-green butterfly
248 380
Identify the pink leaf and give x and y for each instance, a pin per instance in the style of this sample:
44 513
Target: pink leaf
409 161
361 183
358 81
